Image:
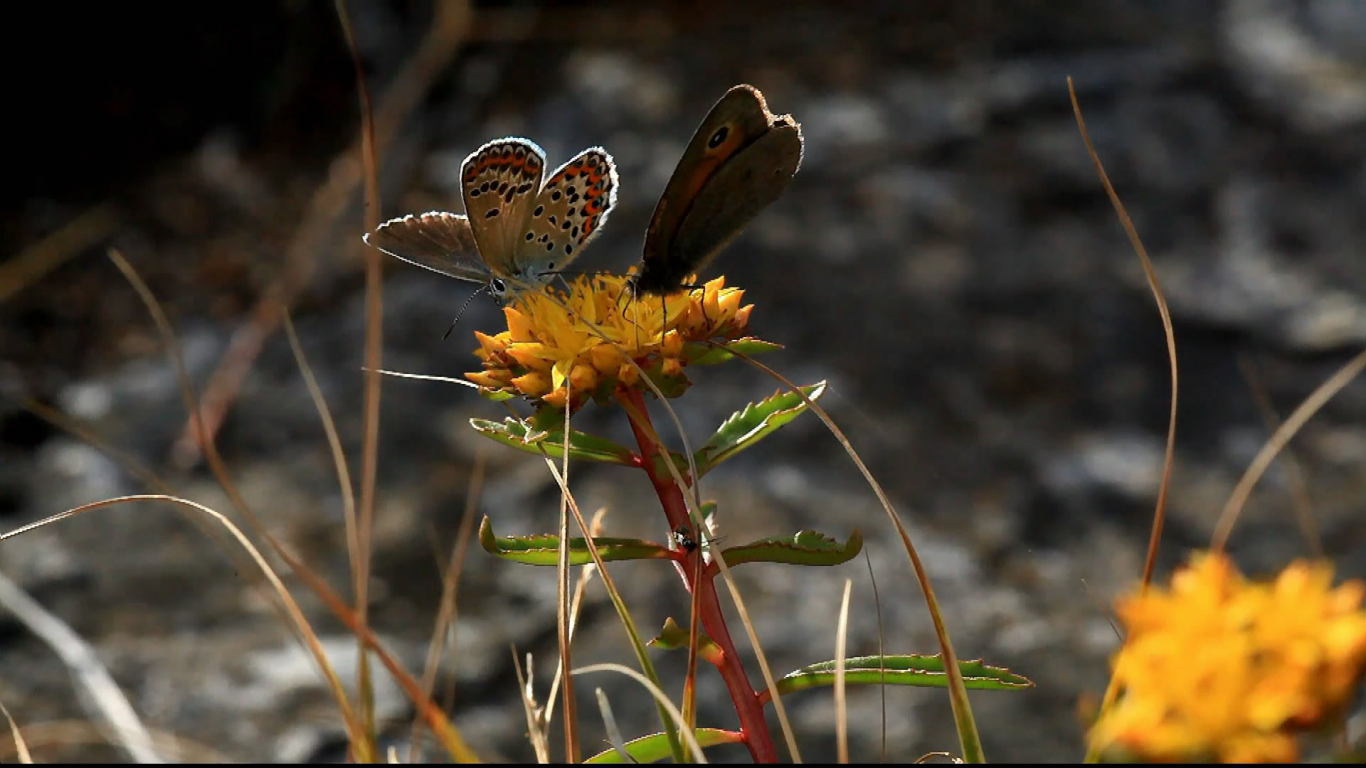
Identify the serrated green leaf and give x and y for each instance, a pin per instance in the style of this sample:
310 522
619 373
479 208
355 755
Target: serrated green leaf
804 548
521 435
655 747
543 549
909 669
673 637
753 423
702 353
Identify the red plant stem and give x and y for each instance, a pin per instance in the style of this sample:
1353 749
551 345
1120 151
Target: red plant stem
753 725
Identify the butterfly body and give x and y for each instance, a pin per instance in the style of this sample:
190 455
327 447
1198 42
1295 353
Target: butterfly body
517 230
741 159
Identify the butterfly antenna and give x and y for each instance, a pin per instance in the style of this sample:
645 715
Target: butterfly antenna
461 313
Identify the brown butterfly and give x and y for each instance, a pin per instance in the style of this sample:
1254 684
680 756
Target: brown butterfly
741 158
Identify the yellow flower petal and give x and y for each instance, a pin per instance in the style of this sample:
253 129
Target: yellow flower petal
491 345
534 384
673 344
583 377
520 327
486 380
531 354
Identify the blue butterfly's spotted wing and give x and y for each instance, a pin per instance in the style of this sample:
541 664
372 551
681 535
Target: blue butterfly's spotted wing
571 207
499 182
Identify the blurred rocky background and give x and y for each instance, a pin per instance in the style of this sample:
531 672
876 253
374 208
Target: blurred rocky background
946 258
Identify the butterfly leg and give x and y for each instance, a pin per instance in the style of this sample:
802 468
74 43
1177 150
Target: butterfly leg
703 302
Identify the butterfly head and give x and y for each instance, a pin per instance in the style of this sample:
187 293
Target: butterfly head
498 289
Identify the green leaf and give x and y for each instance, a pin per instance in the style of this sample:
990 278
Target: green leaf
703 353
804 548
655 747
523 436
747 427
542 549
910 669
673 637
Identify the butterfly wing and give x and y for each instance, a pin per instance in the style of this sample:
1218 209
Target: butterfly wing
499 181
739 189
739 118
439 241
568 213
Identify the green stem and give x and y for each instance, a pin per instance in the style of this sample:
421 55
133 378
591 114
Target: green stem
753 724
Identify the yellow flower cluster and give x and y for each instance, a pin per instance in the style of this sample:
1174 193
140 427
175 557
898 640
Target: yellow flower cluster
1220 668
575 343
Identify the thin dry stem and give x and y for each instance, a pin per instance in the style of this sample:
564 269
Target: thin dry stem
1299 486
20 746
334 445
29 265
580 589
881 653
423 377
374 341
1159 514
841 703
1277 441
535 722
609 724
562 608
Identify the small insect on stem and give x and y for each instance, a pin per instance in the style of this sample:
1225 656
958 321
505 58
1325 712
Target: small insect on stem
684 539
